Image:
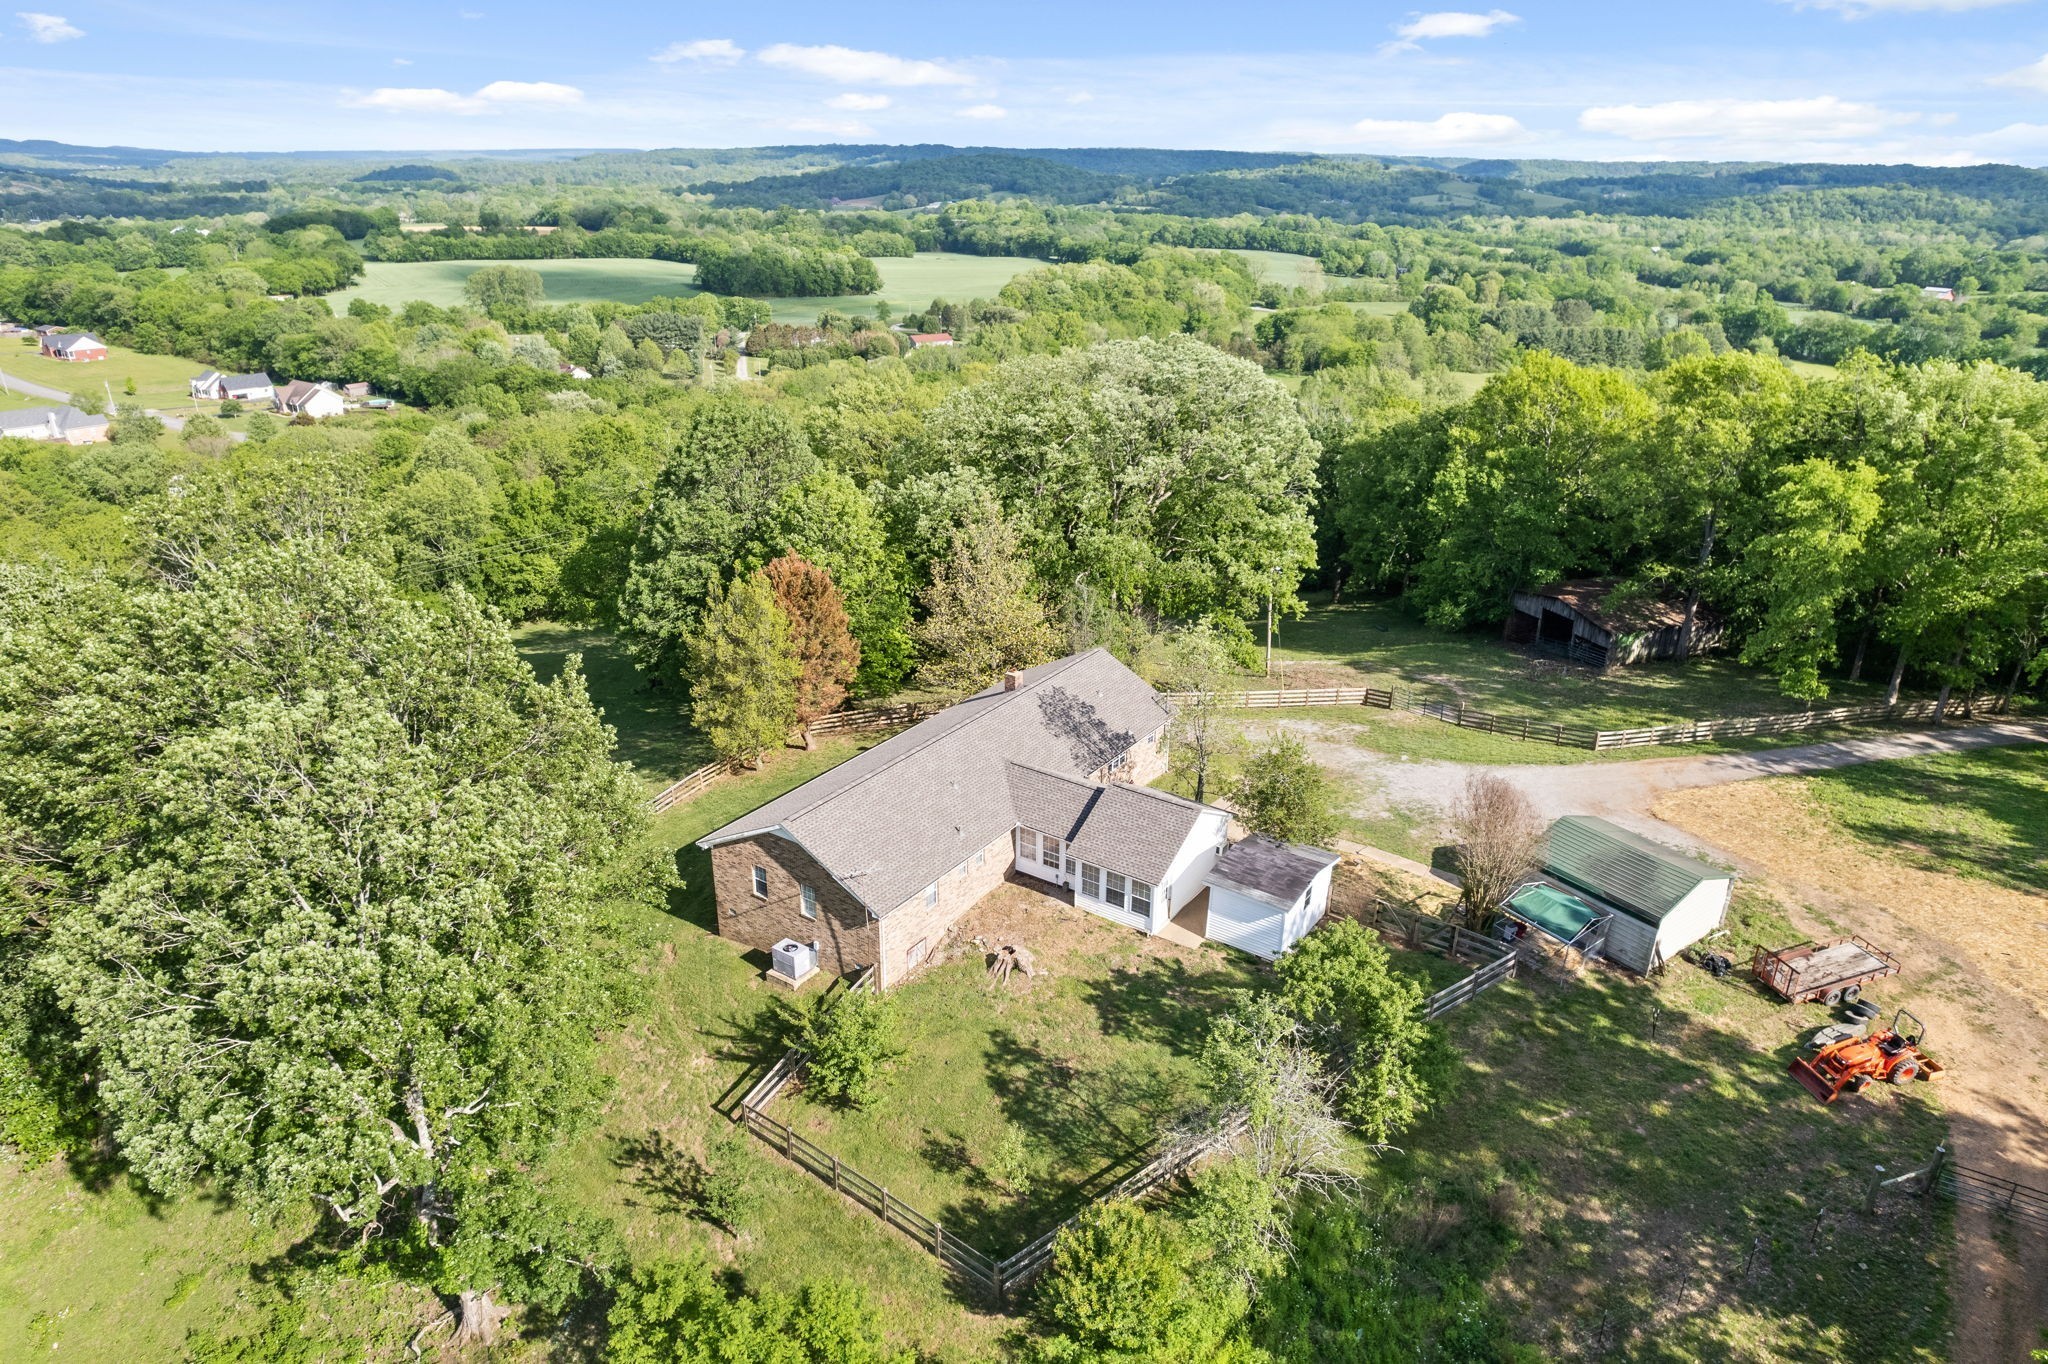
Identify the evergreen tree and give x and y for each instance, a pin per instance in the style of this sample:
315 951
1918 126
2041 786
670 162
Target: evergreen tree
743 672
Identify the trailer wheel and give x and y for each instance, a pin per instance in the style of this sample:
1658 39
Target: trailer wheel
1903 1071
1852 994
1831 998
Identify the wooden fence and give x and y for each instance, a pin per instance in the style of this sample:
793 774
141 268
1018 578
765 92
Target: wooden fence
1970 1187
1497 960
1699 731
689 788
1532 729
1290 696
838 722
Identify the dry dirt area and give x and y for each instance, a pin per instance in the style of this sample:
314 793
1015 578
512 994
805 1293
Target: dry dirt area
1975 965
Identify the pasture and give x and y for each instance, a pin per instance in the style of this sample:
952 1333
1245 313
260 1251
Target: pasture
908 282
1285 268
397 283
160 380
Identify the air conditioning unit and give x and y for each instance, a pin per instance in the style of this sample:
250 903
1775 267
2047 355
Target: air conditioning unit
794 960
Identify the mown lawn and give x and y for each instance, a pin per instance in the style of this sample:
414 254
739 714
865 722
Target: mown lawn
1981 814
1627 1167
397 283
161 381
653 727
1086 1064
1377 644
910 283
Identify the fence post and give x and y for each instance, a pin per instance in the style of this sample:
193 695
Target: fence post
1934 1169
885 1204
835 1175
1870 1193
1455 943
938 1241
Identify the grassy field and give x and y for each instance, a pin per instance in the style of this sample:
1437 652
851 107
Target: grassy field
396 283
653 729
907 282
1377 644
1086 1063
1285 268
1982 815
1627 1167
1378 307
912 282
160 380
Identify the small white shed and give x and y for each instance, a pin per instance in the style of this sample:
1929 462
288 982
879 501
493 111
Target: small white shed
1667 900
1264 895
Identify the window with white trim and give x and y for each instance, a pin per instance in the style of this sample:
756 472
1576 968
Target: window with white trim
809 907
917 953
980 856
1117 886
1141 899
1027 843
931 894
761 882
1049 850
1091 881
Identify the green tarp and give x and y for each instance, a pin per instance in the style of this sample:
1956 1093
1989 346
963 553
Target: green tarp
1557 913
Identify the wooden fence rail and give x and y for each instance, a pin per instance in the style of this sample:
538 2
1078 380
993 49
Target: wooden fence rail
1470 988
1699 731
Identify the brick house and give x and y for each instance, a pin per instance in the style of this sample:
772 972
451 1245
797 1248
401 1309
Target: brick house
73 346
1040 776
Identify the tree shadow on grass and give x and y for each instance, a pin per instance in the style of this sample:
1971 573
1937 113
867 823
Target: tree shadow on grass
1089 1126
1699 1183
1164 1002
667 1175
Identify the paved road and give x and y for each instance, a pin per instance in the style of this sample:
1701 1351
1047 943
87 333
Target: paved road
33 390
1628 788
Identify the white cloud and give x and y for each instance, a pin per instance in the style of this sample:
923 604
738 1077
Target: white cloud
48 28
1859 9
858 103
1081 97
1822 118
718 51
1454 24
829 127
850 66
401 61
493 97
2033 76
985 111
1446 133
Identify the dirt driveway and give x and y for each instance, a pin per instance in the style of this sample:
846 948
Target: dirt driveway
1976 954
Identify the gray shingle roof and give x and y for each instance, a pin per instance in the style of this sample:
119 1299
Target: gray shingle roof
70 338
1131 829
42 422
890 821
246 381
1269 870
1627 870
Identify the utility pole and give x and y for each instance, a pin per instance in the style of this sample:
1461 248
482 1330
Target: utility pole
1270 575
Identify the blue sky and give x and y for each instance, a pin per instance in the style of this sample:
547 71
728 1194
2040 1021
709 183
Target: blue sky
1934 81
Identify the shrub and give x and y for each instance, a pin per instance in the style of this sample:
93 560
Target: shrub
674 1311
851 1041
1009 1165
1285 794
1116 1284
723 1193
231 407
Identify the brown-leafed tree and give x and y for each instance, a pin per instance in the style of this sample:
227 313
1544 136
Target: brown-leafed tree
1499 838
820 637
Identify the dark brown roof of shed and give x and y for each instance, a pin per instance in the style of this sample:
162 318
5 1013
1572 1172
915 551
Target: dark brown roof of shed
1267 869
1590 598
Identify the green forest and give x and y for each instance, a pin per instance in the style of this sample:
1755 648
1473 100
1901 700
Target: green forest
317 903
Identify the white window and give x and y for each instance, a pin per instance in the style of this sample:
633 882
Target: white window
915 956
1091 881
1141 898
761 882
931 894
1027 843
1116 890
1050 855
980 857
809 908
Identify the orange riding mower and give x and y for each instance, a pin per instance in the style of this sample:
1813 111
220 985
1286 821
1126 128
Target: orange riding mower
1847 1064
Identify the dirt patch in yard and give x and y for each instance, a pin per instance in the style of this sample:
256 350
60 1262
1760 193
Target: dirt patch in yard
1975 957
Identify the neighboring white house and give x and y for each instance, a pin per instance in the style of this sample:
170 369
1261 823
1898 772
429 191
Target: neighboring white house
62 425
1658 901
318 401
1265 895
213 386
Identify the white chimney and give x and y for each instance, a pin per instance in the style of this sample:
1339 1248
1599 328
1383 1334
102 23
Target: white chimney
1010 679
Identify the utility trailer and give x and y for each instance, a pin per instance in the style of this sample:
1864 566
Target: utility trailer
1826 973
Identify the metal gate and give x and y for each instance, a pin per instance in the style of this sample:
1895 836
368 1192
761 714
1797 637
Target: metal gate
1971 1188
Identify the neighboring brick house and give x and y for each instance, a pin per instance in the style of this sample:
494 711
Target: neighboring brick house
73 346
878 858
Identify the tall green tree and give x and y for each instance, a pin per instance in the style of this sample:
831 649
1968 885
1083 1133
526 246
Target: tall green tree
1284 793
744 671
325 905
982 613
715 499
1340 982
1805 566
1164 473
494 287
